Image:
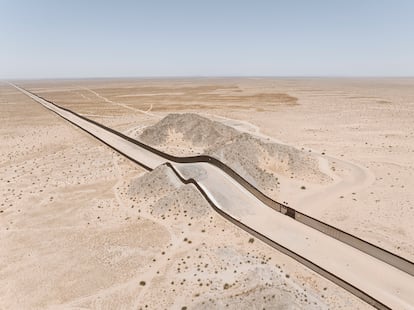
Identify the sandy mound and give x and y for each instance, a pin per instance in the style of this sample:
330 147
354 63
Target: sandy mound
167 196
198 130
263 161
259 162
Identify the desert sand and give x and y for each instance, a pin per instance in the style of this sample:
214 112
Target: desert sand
340 150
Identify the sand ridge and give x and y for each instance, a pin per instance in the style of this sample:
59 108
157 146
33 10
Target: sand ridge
260 162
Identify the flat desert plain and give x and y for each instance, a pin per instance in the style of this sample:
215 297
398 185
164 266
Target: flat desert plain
82 227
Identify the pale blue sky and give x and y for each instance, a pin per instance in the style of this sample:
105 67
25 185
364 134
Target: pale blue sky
44 38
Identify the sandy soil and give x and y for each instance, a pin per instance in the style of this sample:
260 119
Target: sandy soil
362 126
67 198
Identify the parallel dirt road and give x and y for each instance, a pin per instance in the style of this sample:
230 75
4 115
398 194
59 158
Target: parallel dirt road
378 283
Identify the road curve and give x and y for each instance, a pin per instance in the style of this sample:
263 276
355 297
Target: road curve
380 278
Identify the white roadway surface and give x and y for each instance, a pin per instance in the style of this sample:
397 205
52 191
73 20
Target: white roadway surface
385 283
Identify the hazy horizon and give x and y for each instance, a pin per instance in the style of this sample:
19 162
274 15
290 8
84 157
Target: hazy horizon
63 78
160 39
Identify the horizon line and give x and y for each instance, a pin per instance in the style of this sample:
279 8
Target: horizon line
204 77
